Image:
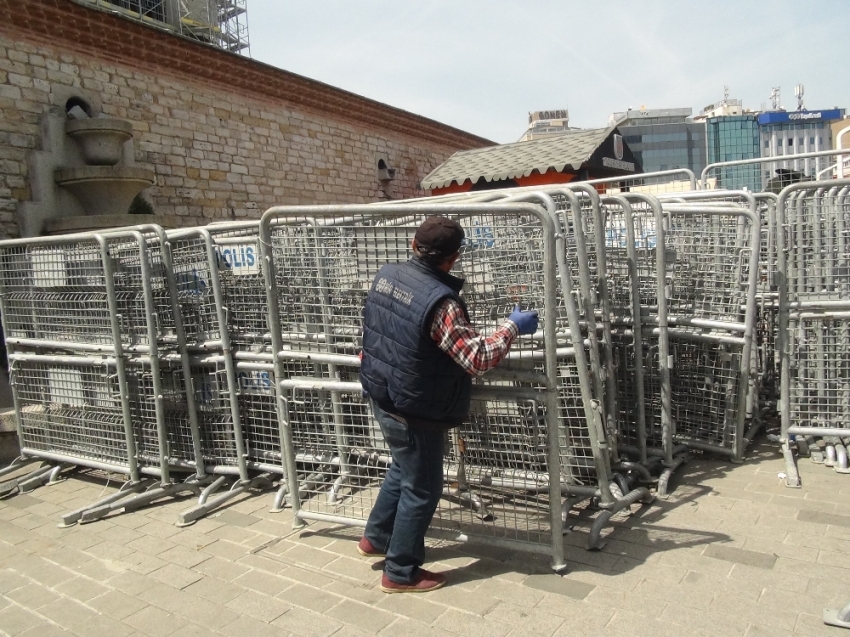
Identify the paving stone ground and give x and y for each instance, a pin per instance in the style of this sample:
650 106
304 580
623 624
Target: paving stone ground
731 552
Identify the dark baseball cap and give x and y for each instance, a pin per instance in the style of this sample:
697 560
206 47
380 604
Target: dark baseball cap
439 237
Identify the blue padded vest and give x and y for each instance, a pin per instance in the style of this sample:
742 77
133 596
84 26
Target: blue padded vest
402 367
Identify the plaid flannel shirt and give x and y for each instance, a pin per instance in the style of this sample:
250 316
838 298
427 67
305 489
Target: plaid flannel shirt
457 338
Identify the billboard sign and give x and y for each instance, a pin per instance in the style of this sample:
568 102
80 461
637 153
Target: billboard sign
799 117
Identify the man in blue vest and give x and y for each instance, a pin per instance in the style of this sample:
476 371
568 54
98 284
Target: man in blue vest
419 355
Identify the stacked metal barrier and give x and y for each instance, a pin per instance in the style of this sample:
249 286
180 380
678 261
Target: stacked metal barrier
510 443
764 379
765 390
681 291
700 375
216 268
245 333
224 304
611 286
711 261
583 277
680 294
592 455
96 363
635 265
739 173
148 354
814 322
624 292
595 263
530 418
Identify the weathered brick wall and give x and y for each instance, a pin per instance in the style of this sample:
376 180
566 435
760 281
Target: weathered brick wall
227 137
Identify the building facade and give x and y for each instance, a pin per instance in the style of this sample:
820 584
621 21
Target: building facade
793 133
227 137
545 124
663 139
732 138
841 139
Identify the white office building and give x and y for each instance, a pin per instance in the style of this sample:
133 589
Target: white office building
543 124
795 132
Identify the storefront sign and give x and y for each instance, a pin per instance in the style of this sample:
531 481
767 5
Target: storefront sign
608 162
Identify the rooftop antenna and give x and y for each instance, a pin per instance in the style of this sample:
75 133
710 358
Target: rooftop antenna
726 93
774 98
798 92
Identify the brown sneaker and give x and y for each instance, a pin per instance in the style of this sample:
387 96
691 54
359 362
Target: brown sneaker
365 548
425 581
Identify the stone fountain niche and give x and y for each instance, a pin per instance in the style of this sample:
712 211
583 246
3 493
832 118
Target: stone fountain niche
84 177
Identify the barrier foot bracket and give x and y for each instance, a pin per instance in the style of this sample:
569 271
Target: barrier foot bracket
840 618
72 517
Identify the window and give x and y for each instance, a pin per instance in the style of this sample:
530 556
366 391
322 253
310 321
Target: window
800 141
767 143
790 142
812 141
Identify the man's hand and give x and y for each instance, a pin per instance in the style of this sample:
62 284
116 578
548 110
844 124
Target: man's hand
526 322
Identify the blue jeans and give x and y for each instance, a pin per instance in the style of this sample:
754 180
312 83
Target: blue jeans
408 498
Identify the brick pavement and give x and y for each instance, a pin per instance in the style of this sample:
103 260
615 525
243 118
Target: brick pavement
732 552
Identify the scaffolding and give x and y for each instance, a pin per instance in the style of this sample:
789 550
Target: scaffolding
221 23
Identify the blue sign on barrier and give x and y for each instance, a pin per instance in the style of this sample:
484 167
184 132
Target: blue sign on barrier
240 258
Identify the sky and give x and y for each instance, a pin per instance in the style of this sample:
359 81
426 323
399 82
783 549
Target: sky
482 66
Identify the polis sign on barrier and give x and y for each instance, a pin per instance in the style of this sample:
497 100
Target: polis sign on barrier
239 256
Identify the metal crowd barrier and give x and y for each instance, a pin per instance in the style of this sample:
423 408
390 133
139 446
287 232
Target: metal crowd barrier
764 389
594 445
708 289
95 344
814 315
634 252
586 249
576 212
686 275
652 183
614 386
734 176
244 295
711 321
529 422
224 359
216 268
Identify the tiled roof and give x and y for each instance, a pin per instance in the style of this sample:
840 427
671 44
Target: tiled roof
570 149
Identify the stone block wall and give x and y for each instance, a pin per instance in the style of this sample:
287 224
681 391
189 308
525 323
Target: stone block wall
227 137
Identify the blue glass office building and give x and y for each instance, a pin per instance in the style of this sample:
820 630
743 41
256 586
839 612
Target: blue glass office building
730 138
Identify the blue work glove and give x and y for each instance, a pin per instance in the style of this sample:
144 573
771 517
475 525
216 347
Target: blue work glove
526 322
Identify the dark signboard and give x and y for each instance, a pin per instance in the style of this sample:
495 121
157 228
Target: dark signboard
613 156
